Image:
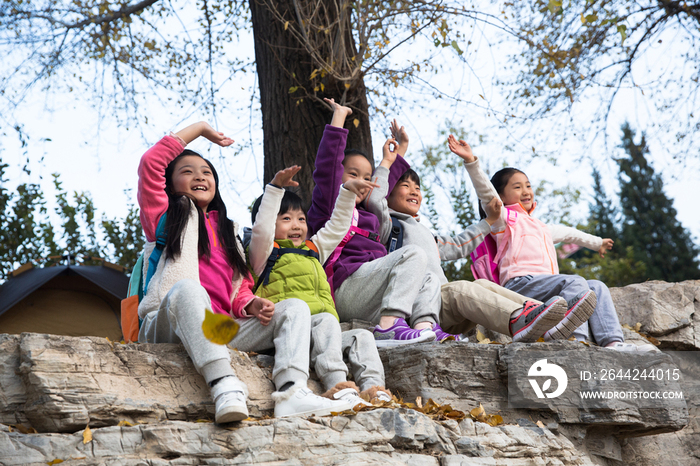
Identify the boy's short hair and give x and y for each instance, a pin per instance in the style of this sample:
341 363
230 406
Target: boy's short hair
410 174
290 201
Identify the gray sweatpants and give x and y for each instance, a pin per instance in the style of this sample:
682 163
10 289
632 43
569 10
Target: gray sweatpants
179 320
603 325
326 350
397 285
362 356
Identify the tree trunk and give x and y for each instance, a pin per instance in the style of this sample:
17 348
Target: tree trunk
292 123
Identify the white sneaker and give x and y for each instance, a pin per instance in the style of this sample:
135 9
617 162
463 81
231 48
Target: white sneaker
631 348
300 401
229 394
350 395
383 396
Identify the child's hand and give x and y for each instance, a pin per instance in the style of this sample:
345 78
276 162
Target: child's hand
284 177
261 308
359 186
340 113
493 210
215 136
401 137
389 152
461 148
607 246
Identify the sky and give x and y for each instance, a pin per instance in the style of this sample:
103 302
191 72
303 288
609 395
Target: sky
101 157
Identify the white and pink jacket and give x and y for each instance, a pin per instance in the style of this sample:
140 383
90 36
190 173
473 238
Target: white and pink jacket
214 274
525 244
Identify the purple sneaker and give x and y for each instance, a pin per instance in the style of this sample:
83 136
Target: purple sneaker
441 335
401 334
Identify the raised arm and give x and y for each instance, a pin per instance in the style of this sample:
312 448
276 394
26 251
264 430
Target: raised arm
333 232
340 113
376 202
203 129
564 234
263 232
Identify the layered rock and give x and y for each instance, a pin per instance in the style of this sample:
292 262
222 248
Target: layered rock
145 404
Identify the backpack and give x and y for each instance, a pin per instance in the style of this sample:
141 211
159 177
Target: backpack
277 252
138 286
484 264
396 237
483 260
328 267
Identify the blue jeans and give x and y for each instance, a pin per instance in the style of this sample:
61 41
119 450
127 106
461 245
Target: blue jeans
603 326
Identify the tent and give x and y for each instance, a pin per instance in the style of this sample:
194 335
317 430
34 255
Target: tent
69 300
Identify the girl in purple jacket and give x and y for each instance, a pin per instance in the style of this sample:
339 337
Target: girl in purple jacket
395 291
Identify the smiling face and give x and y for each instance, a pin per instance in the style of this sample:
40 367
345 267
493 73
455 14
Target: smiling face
292 225
193 176
356 166
406 197
518 190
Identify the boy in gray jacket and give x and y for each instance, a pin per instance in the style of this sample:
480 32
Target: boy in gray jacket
463 303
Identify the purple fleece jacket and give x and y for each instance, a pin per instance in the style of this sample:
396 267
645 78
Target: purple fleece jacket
328 178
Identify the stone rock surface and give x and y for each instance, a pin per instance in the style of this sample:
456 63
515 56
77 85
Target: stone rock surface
60 385
668 312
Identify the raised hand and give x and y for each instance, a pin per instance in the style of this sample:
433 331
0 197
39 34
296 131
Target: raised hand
359 186
389 153
261 308
283 178
340 112
461 148
493 210
401 136
607 246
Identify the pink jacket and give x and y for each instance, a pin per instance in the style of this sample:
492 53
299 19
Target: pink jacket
214 274
526 245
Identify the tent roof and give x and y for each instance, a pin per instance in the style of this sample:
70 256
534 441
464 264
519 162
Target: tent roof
17 288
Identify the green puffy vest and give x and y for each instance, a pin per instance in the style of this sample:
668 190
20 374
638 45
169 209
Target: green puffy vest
298 276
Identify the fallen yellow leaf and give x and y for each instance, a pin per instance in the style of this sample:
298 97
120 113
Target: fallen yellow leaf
87 435
540 424
219 328
56 461
125 423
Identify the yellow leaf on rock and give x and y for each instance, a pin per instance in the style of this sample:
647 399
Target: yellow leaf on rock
56 461
479 336
125 423
87 435
419 401
219 328
540 424
638 327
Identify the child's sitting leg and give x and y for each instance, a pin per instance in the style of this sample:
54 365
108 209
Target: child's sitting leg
578 293
465 304
366 366
289 333
390 291
179 320
327 360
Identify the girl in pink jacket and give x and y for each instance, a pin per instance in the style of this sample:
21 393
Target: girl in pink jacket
203 267
528 265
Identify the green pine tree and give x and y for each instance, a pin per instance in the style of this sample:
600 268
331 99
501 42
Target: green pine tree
650 225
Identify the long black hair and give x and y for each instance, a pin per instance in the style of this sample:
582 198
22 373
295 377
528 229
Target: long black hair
179 211
500 180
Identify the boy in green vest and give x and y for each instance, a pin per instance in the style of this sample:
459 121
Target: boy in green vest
286 265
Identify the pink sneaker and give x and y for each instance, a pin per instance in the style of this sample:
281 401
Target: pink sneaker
401 334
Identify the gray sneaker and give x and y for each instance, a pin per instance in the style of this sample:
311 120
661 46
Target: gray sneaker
535 319
580 309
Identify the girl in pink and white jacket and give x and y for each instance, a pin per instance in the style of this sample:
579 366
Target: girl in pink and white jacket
202 267
527 260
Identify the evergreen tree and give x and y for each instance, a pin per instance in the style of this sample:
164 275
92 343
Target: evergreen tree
650 226
602 213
